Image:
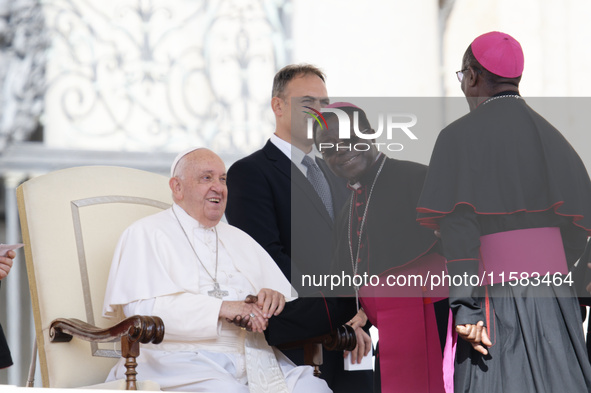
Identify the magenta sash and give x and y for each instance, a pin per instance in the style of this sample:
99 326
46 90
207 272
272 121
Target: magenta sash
449 355
410 354
427 267
529 251
537 251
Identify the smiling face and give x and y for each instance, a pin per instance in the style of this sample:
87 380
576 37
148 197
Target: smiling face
199 186
352 158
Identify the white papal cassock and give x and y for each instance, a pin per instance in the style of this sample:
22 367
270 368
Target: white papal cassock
155 272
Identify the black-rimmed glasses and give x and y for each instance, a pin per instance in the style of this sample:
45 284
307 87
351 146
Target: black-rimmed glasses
460 74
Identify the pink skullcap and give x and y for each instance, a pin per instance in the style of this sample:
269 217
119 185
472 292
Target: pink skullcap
499 53
341 105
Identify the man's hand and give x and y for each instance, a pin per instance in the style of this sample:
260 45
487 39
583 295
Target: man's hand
359 320
250 315
475 335
244 322
268 303
6 263
271 302
363 346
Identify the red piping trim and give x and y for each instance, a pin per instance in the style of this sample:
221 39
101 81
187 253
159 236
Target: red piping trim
327 311
464 259
429 222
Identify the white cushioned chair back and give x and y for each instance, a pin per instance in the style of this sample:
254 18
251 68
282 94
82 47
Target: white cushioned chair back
71 221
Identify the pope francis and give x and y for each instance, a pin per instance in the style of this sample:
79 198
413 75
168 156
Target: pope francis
194 272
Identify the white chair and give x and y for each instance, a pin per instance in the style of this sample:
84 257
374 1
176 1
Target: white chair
71 220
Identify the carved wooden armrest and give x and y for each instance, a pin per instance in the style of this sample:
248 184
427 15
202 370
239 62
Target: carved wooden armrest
132 331
342 338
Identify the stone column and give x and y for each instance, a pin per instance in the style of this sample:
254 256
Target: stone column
19 327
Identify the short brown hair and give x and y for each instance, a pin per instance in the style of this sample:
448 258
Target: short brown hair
291 71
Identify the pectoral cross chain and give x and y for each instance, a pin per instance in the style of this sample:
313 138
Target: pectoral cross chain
217 291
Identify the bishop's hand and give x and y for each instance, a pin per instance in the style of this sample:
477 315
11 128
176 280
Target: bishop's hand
476 335
245 314
363 346
271 302
244 322
359 320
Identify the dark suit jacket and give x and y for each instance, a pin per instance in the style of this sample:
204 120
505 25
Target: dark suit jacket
295 324
270 199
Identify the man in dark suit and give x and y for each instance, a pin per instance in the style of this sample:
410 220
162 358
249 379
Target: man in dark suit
271 196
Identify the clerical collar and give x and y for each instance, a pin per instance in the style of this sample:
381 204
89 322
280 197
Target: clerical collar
507 93
504 95
187 221
369 175
217 291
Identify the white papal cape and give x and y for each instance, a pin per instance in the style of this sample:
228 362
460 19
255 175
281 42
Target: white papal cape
156 272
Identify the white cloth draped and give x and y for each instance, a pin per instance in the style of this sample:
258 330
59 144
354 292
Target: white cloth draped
155 272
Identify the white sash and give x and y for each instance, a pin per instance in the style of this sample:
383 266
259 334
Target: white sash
263 371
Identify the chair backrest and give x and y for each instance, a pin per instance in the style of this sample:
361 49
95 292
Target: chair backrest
71 221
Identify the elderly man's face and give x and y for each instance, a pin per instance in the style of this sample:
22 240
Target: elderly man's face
352 157
201 189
